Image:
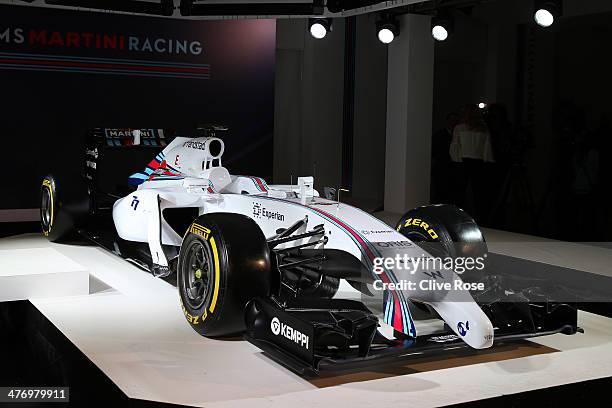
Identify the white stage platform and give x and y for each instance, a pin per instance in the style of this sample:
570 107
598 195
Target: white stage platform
130 325
32 273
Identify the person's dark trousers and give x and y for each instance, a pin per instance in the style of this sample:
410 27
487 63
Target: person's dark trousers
443 185
458 181
499 173
476 177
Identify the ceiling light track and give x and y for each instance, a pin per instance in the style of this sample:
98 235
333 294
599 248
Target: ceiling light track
160 8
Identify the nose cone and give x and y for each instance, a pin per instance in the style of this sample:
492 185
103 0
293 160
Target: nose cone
468 321
477 333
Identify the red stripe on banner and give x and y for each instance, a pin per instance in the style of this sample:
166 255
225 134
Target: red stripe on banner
106 65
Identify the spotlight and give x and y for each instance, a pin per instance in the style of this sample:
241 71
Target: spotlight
387 29
544 18
439 33
482 105
546 11
319 27
442 26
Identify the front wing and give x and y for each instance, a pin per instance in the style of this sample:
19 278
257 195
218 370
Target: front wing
308 335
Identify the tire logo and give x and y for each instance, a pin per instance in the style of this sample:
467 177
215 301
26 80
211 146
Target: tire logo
275 326
462 328
197 229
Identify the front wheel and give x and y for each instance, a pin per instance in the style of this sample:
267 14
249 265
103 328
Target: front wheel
224 262
447 231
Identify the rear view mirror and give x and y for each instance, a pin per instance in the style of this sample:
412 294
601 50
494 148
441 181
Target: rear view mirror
330 193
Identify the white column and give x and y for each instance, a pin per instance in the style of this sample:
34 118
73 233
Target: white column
409 115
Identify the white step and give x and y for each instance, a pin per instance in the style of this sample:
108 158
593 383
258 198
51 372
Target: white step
40 273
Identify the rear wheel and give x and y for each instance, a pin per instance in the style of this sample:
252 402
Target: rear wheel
224 263
63 209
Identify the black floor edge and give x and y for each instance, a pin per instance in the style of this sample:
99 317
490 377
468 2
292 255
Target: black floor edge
589 392
33 352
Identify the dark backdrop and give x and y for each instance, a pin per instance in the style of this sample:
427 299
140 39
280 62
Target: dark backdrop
54 86
554 153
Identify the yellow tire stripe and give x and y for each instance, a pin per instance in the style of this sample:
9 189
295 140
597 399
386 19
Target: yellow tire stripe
47 184
51 199
213 303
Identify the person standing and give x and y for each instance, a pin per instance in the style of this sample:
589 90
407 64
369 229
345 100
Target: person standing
471 146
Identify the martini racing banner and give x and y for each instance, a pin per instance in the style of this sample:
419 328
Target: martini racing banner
78 46
65 72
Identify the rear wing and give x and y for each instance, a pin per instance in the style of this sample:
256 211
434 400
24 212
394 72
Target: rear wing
113 154
124 137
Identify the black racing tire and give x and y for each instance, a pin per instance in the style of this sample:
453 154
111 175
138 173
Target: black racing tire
64 207
445 230
234 267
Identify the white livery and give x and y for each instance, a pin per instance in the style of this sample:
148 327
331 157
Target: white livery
189 173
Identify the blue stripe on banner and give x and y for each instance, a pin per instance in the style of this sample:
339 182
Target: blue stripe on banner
107 60
103 71
148 171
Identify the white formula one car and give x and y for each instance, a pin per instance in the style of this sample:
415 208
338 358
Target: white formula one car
267 260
